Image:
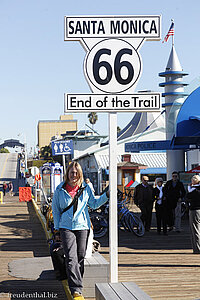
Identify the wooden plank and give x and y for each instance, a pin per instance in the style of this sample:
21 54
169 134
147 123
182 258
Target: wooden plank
91 261
104 291
97 272
122 292
136 291
90 282
101 260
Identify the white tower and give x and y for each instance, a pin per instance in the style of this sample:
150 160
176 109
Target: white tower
174 97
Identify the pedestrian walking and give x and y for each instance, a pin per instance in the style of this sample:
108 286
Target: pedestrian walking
193 200
4 188
143 199
71 217
160 206
174 192
10 187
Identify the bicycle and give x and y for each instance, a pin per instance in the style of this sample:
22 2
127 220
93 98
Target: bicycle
128 220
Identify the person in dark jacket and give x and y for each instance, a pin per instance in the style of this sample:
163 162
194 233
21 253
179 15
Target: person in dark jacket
174 192
4 188
160 206
143 199
193 199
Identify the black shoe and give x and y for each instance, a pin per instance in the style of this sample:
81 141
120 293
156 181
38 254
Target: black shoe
171 228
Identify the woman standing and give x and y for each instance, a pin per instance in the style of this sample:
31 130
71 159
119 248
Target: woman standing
193 199
159 206
74 223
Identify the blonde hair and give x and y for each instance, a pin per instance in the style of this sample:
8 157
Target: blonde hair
79 171
196 179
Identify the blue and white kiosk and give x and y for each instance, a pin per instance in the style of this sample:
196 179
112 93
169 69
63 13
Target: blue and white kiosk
52 176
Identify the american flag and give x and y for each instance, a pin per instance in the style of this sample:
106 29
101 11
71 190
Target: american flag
170 32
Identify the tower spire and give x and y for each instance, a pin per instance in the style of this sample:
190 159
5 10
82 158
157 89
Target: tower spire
173 62
174 97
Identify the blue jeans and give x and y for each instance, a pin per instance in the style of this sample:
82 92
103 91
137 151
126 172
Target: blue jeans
74 246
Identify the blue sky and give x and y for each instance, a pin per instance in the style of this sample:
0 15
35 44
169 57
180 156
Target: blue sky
37 67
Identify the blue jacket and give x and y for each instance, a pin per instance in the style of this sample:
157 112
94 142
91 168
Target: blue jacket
80 220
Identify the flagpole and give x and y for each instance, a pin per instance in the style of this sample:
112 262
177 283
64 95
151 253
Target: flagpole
172 35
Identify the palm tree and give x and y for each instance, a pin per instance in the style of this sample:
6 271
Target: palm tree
118 129
93 117
46 152
4 150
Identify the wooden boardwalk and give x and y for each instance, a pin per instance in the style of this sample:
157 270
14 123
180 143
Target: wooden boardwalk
22 236
163 266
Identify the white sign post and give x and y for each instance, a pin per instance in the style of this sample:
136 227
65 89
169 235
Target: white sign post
113 215
34 171
112 68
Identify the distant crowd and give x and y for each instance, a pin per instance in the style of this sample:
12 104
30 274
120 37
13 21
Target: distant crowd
168 200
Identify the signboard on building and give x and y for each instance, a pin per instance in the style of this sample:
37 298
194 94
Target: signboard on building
147 146
62 147
152 145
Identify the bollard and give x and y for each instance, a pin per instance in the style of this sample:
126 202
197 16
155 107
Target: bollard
1 197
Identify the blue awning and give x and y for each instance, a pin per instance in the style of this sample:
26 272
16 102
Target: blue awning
154 171
189 116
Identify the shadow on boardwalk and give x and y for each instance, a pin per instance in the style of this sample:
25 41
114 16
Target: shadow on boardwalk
27 231
151 240
31 289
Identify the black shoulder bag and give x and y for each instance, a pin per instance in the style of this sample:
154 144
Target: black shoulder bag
74 201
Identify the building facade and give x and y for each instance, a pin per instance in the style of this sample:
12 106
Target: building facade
54 128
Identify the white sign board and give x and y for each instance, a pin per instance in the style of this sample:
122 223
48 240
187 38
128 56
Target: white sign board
109 103
79 27
112 62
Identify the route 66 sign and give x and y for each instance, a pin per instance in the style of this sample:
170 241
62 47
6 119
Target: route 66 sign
112 63
112 66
